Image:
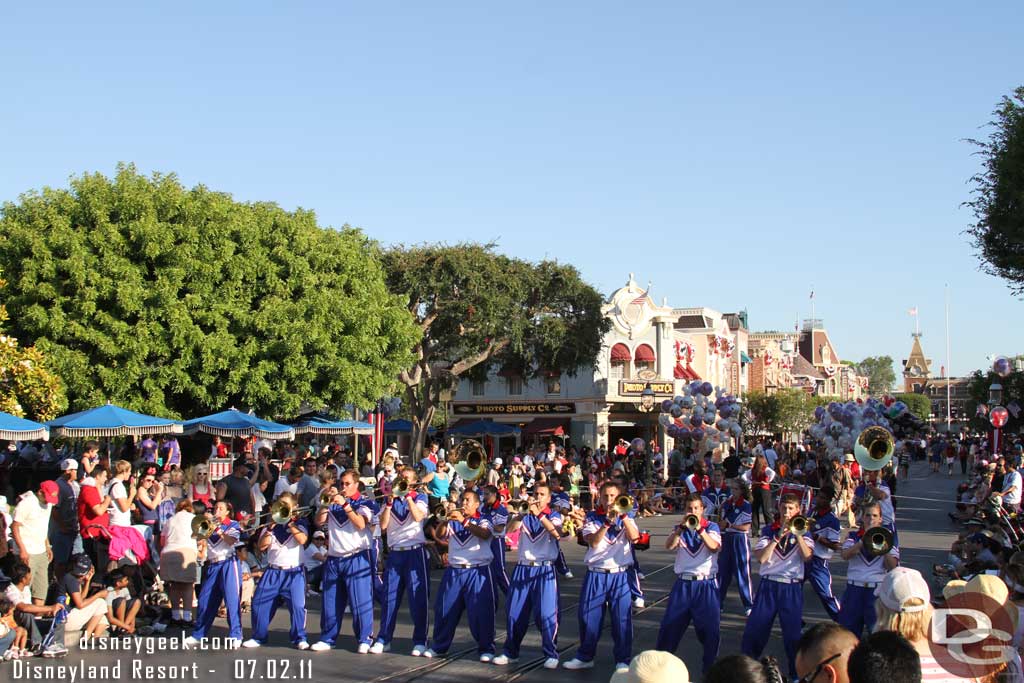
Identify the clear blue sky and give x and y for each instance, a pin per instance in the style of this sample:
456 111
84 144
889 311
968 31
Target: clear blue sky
735 155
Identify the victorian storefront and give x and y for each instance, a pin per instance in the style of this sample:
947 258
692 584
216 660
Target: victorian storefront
650 347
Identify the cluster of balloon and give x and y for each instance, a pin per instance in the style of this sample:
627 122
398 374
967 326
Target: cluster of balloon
1002 366
703 416
837 425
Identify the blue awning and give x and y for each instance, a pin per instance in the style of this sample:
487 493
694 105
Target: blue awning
231 423
13 428
111 420
335 427
484 428
744 358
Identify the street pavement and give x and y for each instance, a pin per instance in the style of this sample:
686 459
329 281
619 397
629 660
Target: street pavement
925 535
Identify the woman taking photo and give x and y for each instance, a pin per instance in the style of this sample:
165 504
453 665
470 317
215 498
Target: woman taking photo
178 566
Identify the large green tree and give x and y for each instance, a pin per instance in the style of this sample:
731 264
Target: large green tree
27 386
880 374
998 195
477 308
760 413
918 404
179 301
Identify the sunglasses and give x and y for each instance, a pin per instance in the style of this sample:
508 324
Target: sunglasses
818 669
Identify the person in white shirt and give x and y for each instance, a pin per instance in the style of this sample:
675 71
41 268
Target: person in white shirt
347 572
313 557
283 579
1011 492
121 495
29 530
782 554
695 593
222 579
610 537
771 455
406 567
533 590
863 573
466 584
289 483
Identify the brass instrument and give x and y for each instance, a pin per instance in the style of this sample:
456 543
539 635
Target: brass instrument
326 498
877 541
519 507
471 459
623 505
798 525
202 528
403 487
691 523
282 512
874 448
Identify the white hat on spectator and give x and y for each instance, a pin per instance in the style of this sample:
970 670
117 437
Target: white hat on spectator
653 666
68 464
902 585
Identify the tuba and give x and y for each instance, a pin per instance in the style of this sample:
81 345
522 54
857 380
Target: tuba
877 541
471 459
874 448
202 528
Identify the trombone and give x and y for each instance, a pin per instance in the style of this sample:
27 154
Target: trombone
877 541
520 507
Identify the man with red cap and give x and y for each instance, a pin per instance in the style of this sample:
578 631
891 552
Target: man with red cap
30 528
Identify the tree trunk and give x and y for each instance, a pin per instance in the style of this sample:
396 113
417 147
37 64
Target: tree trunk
422 406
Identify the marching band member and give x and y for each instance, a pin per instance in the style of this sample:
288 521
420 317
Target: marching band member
222 579
498 514
466 584
825 531
375 547
561 501
406 567
283 579
610 536
347 578
715 495
782 554
874 488
863 574
533 592
695 593
734 558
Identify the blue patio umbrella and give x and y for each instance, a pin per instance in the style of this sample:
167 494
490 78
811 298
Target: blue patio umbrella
313 425
232 422
111 420
19 429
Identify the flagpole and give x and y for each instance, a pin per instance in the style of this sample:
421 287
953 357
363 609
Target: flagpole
949 368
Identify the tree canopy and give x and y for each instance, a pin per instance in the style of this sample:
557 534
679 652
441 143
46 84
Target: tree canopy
919 404
178 301
998 194
878 370
27 386
785 412
477 308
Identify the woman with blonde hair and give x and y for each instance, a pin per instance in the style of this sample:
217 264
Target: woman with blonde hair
198 486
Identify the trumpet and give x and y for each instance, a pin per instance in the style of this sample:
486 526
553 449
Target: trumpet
520 507
623 505
202 528
471 459
874 448
691 523
798 525
877 541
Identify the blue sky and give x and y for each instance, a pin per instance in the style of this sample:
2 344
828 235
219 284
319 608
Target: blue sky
736 156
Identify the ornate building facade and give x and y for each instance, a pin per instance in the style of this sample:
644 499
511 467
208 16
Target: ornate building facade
805 360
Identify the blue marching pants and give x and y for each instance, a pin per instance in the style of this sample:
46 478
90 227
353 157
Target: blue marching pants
857 610
275 586
817 571
378 582
405 570
734 560
222 581
471 590
533 593
347 581
695 601
611 591
498 573
561 566
773 598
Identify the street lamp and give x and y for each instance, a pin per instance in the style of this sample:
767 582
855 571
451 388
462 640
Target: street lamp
995 394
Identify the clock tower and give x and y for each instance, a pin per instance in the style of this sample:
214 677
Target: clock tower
916 368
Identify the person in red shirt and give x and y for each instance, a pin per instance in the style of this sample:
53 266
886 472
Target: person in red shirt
94 519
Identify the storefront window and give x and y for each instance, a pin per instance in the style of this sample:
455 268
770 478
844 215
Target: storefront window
620 369
478 387
554 385
515 385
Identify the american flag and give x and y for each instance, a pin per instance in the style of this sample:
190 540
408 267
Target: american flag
912 311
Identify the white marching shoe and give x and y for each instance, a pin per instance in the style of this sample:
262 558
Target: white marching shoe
504 660
429 653
551 663
379 647
621 668
487 658
320 646
419 650
574 664
363 648
302 645
251 643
